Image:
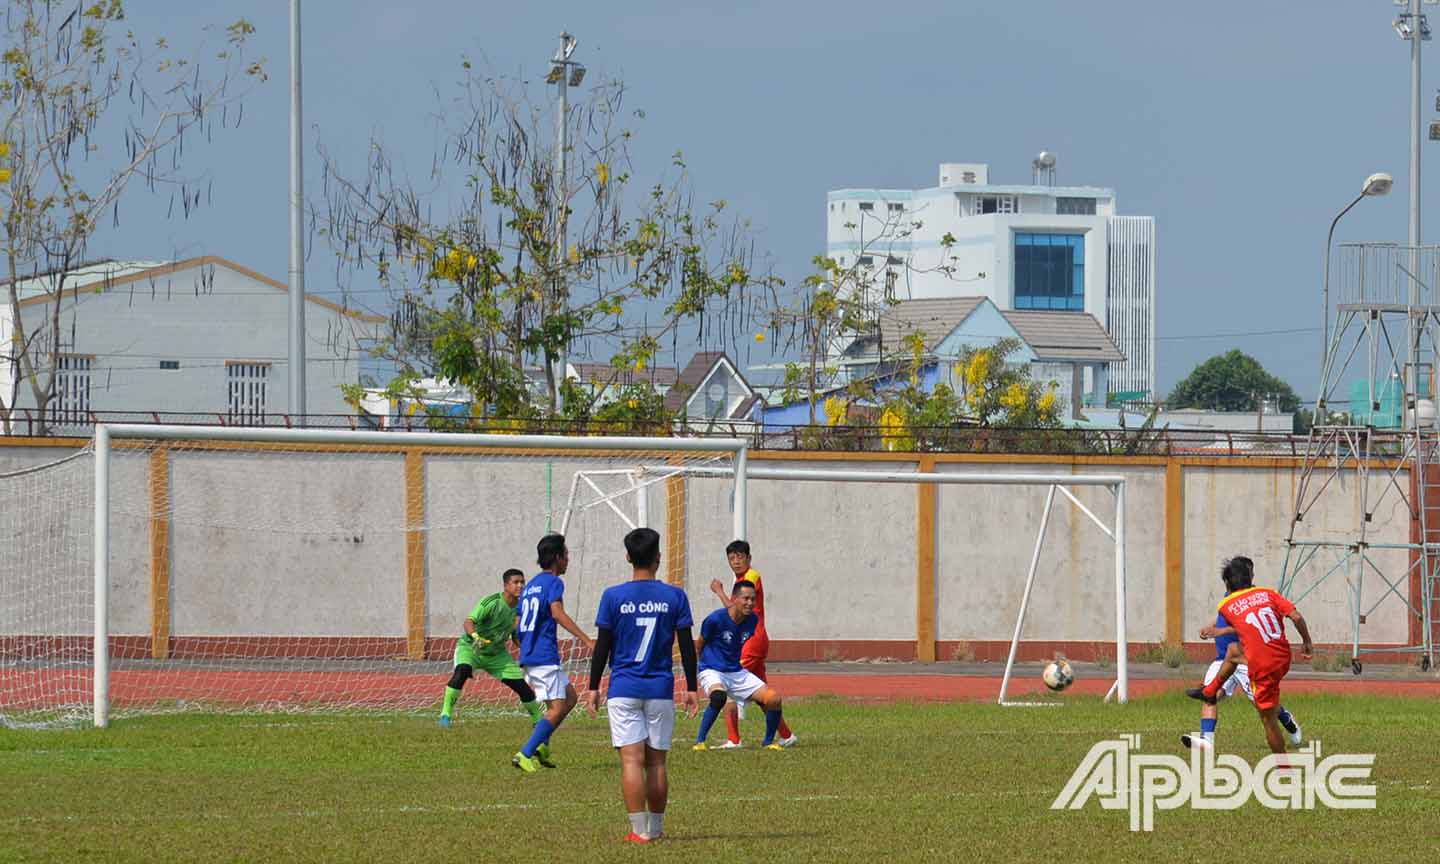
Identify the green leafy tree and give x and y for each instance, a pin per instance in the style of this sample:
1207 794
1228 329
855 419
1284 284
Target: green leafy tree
1233 381
86 108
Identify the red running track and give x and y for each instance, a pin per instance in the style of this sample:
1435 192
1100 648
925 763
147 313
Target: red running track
30 690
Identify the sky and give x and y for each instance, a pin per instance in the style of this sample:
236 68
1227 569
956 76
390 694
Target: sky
1241 126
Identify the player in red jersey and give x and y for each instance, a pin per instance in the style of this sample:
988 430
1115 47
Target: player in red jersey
756 648
1257 614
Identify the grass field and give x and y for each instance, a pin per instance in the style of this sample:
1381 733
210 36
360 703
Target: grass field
943 782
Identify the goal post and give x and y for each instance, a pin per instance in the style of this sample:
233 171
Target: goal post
587 452
1054 483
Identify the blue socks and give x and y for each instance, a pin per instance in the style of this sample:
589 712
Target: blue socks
711 715
543 728
772 723
1284 717
1207 727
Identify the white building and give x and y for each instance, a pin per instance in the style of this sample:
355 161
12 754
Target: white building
1025 247
203 337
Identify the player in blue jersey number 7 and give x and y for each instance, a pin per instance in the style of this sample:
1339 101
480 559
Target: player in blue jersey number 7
639 622
722 637
542 607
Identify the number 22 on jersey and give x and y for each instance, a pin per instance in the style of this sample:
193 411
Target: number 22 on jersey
529 611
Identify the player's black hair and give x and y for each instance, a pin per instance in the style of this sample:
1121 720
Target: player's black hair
550 547
643 547
740 546
510 574
1238 573
743 583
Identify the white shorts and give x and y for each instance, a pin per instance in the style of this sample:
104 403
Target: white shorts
548 682
739 685
1240 679
634 720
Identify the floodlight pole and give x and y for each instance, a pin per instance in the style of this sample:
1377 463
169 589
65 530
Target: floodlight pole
562 109
1417 36
561 67
296 358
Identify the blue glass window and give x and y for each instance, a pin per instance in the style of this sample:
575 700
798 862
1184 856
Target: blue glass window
1050 272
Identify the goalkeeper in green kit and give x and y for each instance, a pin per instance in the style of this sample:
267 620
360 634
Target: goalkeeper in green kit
482 646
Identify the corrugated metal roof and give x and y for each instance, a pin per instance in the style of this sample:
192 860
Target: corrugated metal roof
85 274
1074 336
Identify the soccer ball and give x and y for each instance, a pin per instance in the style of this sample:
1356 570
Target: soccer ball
1058 675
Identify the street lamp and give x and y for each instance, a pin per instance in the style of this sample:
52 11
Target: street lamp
566 73
1375 185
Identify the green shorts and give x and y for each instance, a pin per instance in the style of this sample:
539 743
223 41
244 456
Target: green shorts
498 663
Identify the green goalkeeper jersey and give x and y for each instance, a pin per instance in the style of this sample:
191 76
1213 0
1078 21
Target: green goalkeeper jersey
494 620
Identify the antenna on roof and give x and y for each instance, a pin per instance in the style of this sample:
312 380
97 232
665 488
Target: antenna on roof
1043 167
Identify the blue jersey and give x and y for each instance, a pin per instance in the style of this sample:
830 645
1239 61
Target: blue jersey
1222 643
536 625
723 639
643 615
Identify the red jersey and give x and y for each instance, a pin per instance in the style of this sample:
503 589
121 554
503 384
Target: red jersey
758 645
1258 616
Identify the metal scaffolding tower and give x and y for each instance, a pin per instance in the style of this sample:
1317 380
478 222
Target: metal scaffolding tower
1375 443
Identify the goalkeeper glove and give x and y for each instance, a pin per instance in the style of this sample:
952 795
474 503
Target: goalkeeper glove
479 641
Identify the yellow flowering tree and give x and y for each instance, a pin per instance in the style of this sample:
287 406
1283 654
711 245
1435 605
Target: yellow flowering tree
86 107
999 394
479 282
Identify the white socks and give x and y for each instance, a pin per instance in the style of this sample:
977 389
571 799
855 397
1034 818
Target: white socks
640 823
657 825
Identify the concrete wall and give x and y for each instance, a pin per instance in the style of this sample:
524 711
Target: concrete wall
987 535
1231 511
315 545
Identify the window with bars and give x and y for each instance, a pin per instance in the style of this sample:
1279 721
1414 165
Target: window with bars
996 204
70 404
247 384
1075 206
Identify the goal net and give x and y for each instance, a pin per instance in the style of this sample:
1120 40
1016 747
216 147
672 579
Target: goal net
233 570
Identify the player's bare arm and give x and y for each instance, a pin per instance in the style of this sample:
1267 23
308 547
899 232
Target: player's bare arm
1210 631
557 611
1306 646
600 656
718 589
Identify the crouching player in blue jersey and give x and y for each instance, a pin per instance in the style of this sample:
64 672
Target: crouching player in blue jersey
1224 636
639 622
722 636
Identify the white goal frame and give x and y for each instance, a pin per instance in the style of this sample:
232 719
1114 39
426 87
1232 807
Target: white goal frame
1119 690
106 433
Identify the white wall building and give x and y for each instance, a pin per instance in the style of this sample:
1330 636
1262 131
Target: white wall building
202 336
1040 247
